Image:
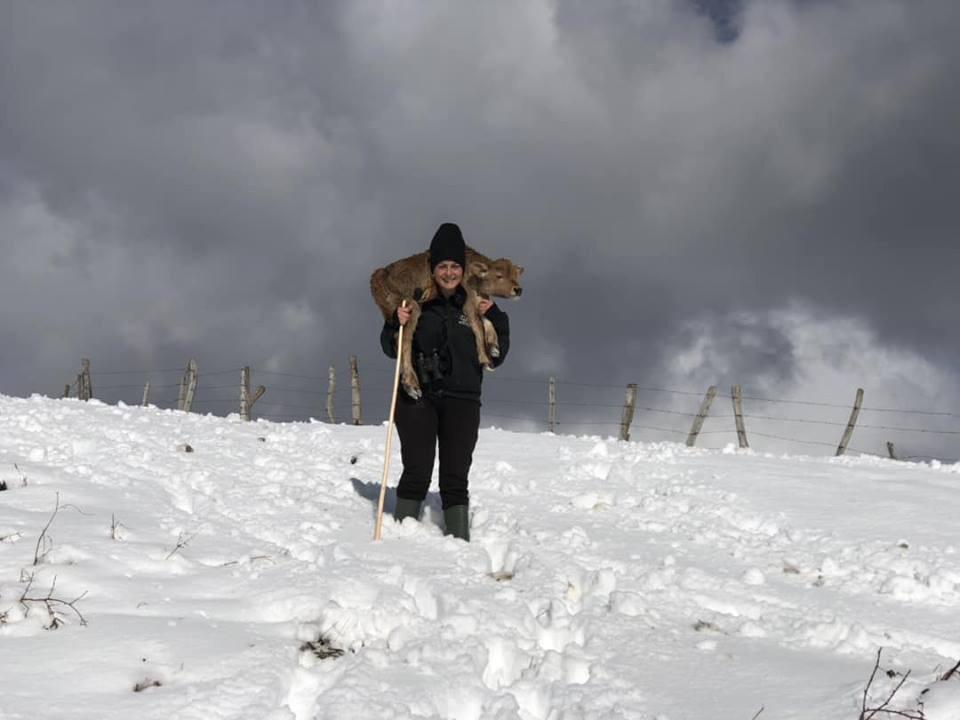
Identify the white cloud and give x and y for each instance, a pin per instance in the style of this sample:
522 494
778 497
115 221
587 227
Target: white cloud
814 361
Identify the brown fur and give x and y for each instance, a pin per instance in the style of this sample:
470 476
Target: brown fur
482 278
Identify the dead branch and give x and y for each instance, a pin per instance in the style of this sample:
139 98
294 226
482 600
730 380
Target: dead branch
955 670
51 603
70 506
757 713
115 527
37 556
230 563
182 542
884 708
866 690
322 647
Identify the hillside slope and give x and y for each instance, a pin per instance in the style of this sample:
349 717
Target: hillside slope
605 579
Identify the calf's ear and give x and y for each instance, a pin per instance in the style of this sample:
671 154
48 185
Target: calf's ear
509 264
478 269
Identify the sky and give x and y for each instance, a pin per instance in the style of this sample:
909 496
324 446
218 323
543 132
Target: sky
700 192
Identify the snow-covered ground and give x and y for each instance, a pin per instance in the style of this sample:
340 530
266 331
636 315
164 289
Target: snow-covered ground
605 579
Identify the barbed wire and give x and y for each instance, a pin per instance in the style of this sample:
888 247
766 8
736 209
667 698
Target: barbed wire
159 372
847 406
540 382
916 430
299 391
813 442
748 416
344 389
138 387
910 412
786 439
842 424
135 372
930 457
290 375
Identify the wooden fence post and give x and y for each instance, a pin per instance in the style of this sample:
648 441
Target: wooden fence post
257 394
188 386
355 385
552 408
182 392
246 399
85 388
738 416
146 394
66 391
891 451
331 387
629 405
245 393
701 416
848 432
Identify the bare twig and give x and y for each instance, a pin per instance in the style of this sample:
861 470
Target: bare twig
322 647
866 690
115 527
70 506
250 560
51 603
955 670
23 478
28 579
182 542
870 713
757 713
37 556
885 703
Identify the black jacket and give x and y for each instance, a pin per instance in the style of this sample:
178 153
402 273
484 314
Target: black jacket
444 348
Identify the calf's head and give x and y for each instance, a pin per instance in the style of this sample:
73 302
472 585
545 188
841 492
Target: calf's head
499 278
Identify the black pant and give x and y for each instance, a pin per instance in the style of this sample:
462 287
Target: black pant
451 422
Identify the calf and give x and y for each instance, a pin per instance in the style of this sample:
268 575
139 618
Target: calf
410 279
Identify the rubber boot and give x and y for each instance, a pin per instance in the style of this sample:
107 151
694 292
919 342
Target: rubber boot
407 508
457 522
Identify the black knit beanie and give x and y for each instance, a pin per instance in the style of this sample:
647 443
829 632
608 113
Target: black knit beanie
447 244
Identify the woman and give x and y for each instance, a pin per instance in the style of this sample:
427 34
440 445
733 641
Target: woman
450 375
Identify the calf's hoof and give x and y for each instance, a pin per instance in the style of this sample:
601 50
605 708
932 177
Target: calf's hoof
410 384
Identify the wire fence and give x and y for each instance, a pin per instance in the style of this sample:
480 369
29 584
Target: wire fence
583 408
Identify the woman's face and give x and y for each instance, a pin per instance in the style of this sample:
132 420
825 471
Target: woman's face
447 275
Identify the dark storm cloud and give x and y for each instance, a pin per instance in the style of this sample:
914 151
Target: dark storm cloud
220 179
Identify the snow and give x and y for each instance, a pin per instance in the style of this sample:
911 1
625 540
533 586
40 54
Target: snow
605 579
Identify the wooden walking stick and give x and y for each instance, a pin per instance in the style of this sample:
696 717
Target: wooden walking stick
386 453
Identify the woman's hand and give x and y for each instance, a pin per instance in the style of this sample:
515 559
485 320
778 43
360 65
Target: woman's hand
484 304
403 314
